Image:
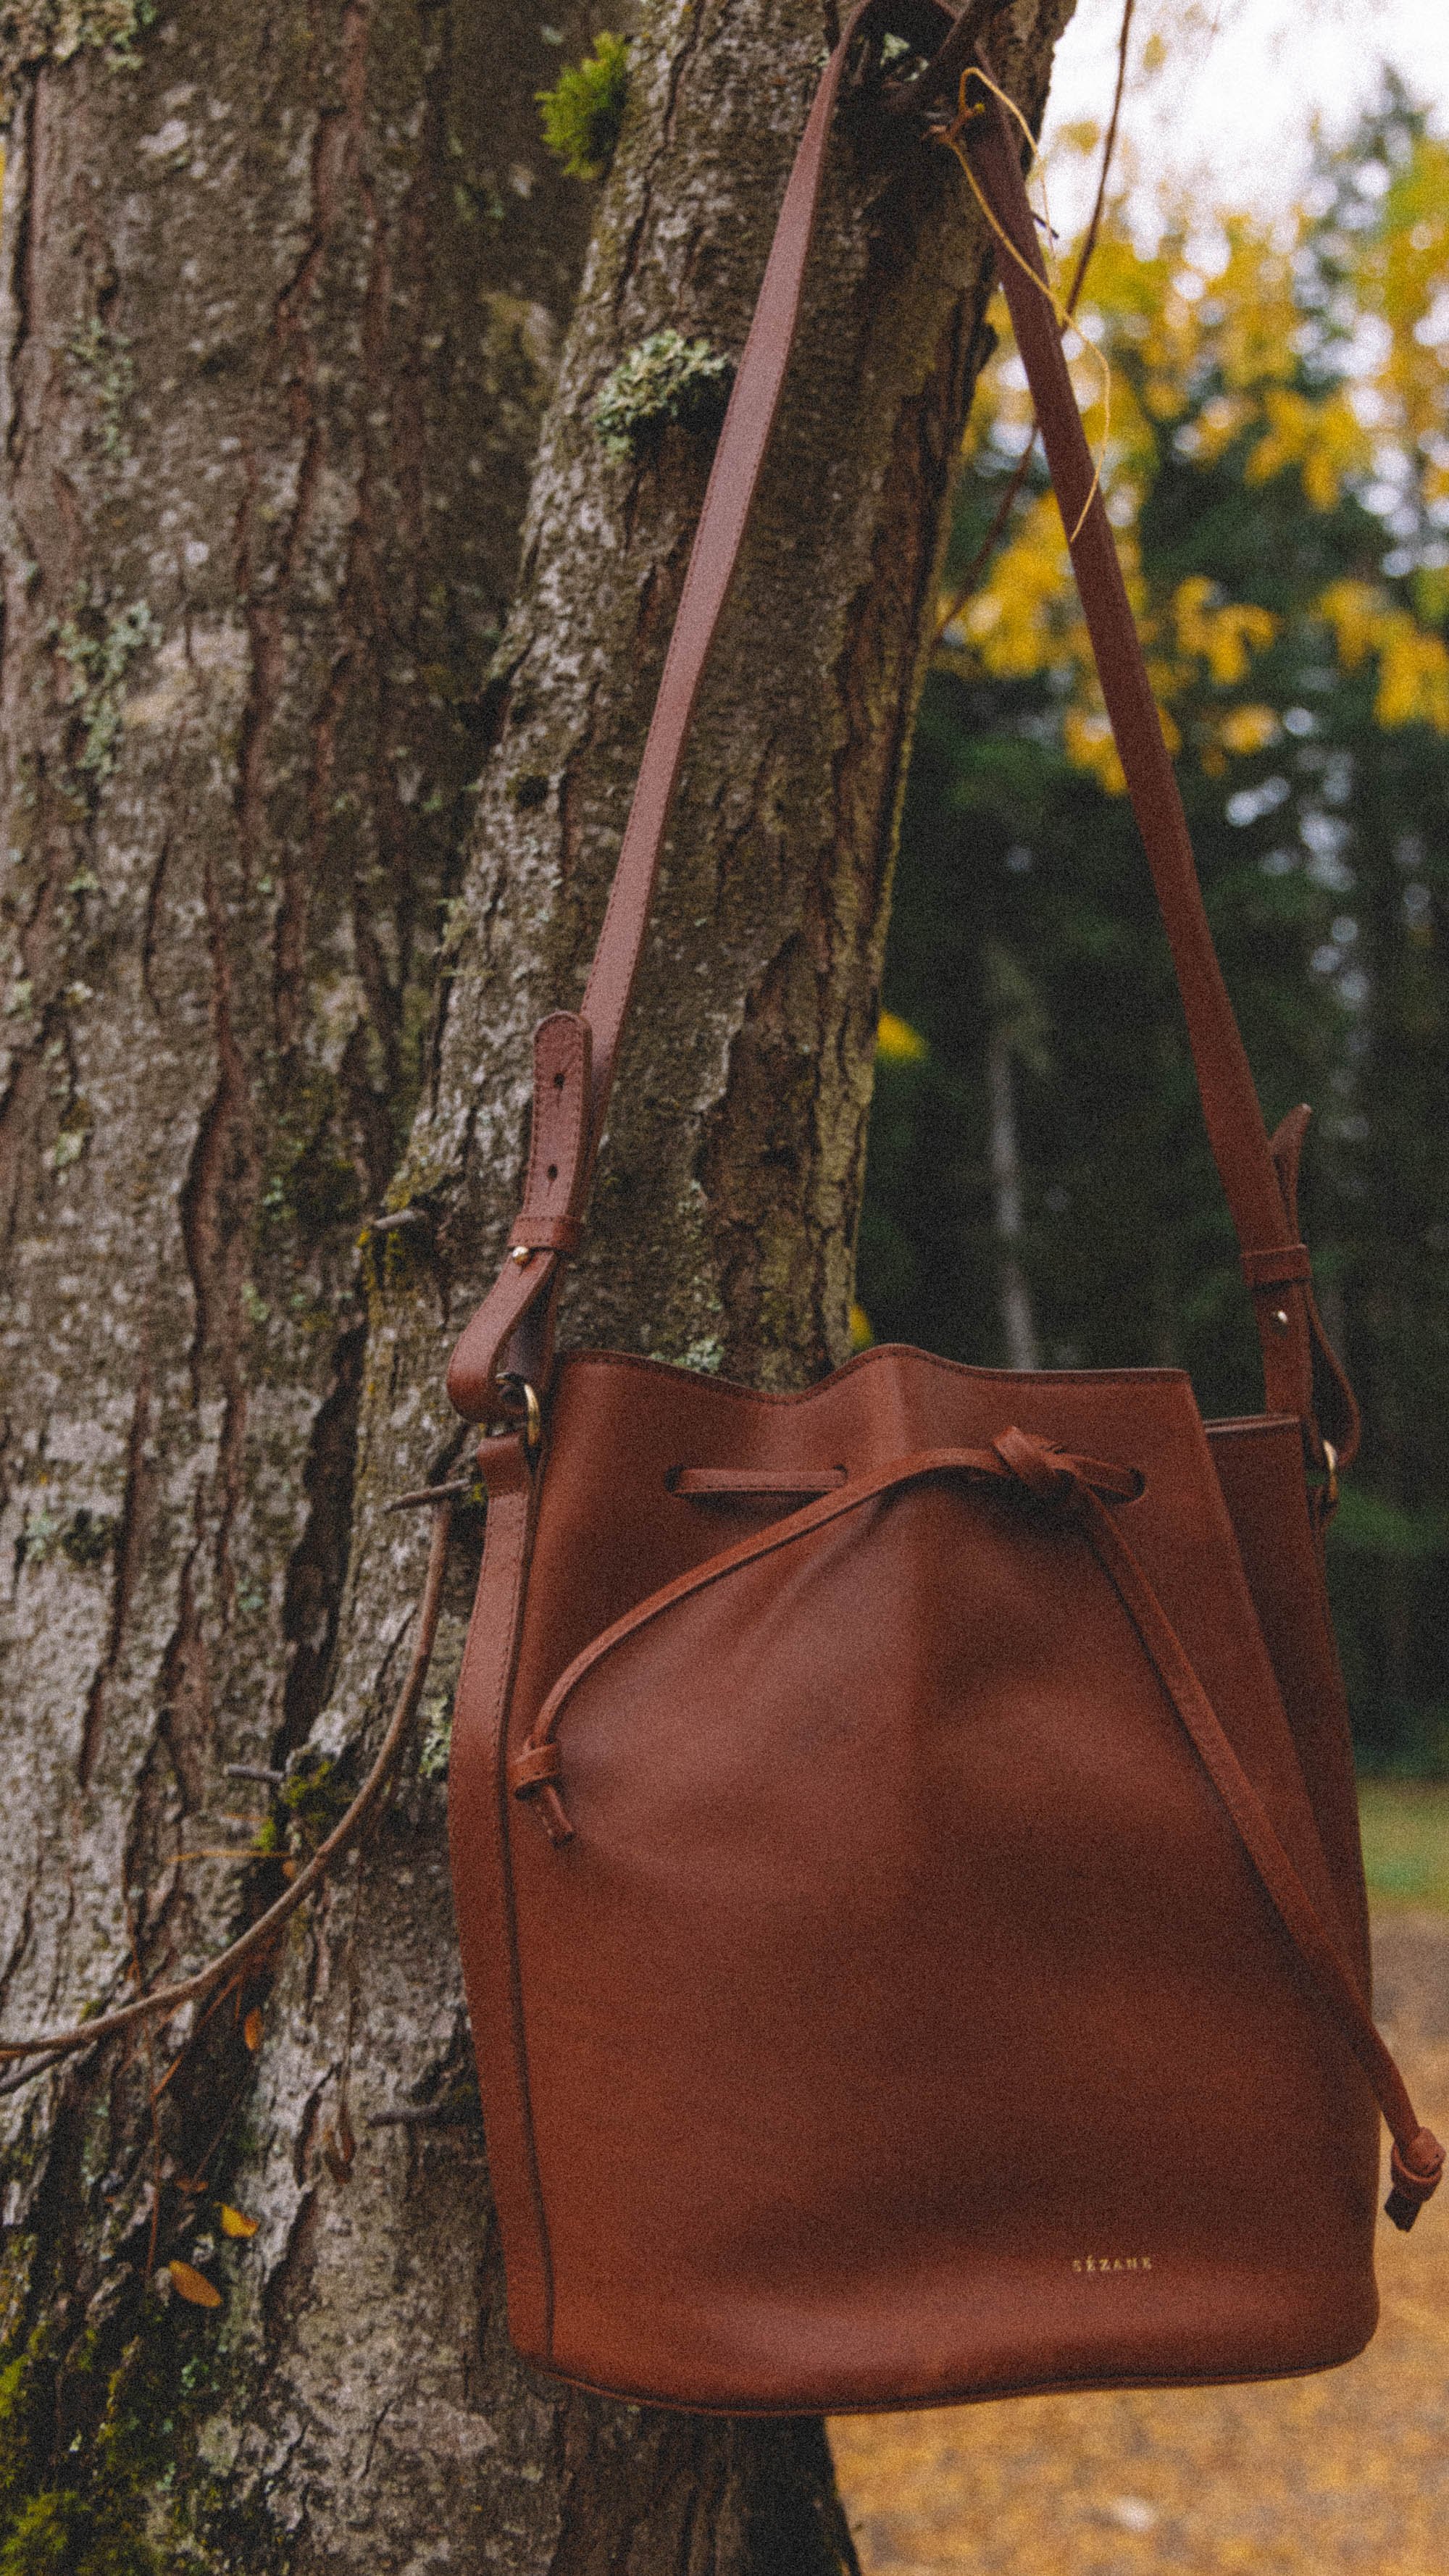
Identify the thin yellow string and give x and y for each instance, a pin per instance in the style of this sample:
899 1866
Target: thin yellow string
949 614
951 136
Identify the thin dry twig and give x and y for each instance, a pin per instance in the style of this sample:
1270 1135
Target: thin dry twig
50 2046
419 2115
1007 503
1109 146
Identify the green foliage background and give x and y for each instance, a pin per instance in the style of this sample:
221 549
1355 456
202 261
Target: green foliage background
1278 467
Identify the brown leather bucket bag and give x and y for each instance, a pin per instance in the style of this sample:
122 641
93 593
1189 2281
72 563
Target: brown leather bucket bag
903 1834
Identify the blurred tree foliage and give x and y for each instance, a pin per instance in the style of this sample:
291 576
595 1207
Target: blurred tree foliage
1277 466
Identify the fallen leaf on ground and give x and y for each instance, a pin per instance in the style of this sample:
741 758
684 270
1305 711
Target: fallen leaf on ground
234 2222
190 2284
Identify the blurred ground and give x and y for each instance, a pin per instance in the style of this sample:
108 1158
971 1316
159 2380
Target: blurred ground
1405 1844
1344 2472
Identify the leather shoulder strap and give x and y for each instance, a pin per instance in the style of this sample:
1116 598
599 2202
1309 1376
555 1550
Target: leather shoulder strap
513 1326
511 1333
1275 1265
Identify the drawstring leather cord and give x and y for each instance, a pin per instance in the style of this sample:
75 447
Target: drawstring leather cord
1078 1490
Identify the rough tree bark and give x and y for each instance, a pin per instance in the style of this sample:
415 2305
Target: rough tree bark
278 316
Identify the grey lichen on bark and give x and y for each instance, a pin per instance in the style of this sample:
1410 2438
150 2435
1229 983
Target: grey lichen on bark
296 239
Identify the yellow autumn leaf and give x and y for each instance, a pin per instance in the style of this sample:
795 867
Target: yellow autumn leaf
252 2029
1351 609
1323 438
896 1042
234 2222
1224 634
1413 675
1413 661
190 2284
1248 729
1089 745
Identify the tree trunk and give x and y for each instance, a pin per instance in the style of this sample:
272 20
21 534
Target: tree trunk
1018 1323
278 324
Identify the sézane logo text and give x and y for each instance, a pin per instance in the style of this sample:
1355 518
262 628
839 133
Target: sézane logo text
1111 2262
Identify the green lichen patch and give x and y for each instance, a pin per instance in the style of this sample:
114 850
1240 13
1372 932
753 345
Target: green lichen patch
98 651
667 382
88 1537
706 1355
102 363
89 2456
437 1743
84 1536
39 1536
72 1137
313 1184
582 113
397 1261
313 1798
40 31
23 2388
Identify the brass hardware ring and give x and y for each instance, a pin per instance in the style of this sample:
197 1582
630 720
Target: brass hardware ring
532 1413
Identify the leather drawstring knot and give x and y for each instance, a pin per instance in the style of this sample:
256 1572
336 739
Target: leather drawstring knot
1044 1471
1417 2167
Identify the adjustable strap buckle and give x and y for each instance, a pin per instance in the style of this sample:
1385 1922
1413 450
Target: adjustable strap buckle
515 1320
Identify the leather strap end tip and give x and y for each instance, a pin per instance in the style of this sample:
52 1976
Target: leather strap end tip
532 1775
555 1816
543 1801
1417 2172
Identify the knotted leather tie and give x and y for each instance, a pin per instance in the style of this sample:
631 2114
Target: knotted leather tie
1079 1491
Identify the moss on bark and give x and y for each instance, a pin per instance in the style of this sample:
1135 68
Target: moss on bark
33 32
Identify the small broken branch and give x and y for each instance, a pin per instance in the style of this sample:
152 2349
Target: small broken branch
51 2045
